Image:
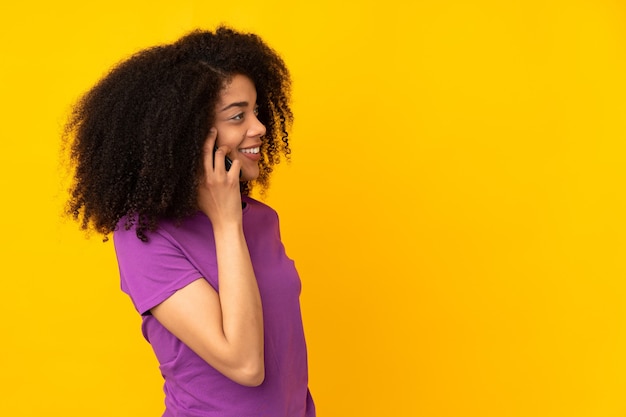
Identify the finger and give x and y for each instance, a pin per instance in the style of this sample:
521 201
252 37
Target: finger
209 145
235 169
220 158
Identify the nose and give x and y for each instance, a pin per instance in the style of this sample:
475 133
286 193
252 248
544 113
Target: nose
257 128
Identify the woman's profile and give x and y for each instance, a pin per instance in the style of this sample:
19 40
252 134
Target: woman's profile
165 150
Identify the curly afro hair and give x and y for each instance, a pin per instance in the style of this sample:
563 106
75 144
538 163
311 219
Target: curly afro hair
135 139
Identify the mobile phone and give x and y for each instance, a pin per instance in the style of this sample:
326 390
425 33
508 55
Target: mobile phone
227 161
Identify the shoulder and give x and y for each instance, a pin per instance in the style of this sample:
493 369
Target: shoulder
249 201
153 270
258 212
257 207
168 231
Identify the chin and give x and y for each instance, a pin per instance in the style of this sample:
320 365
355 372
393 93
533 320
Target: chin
249 176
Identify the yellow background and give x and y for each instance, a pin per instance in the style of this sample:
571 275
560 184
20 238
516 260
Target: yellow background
455 205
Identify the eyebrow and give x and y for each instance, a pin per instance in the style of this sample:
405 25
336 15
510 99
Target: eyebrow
236 104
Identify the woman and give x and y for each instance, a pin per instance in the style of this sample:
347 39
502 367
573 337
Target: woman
165 150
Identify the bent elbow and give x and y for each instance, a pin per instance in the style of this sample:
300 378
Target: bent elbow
251 376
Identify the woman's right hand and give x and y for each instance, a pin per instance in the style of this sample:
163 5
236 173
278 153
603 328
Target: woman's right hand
219 195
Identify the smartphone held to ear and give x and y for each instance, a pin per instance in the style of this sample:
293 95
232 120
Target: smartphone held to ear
227 161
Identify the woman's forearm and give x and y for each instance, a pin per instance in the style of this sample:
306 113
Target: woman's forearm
242 313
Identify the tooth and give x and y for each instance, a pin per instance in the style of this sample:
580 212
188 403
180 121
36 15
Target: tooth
250 150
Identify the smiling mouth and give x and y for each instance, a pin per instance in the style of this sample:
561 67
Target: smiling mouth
250 150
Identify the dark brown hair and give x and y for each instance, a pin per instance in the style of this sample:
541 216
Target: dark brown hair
135 139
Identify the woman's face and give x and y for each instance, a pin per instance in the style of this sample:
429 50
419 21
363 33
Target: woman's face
237 125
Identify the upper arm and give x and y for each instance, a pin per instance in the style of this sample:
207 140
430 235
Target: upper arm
160 278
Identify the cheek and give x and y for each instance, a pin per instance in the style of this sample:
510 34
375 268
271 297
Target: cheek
224 137
231 137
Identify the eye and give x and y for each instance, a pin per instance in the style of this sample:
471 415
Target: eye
238 116
255 110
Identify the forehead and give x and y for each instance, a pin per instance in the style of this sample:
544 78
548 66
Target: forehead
239 88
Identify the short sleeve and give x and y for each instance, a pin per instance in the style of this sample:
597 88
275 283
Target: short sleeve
151 271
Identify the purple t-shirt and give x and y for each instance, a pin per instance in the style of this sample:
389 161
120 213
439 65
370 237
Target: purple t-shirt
175 256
